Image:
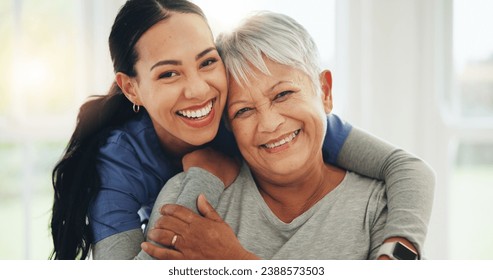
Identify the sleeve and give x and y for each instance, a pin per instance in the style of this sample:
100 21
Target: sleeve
122 193
199 181
121 246
126 245
409 181
337 132
185 188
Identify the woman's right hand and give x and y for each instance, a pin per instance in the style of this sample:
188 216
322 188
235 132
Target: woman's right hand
224 167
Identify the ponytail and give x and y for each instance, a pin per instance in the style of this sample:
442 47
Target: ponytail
75 179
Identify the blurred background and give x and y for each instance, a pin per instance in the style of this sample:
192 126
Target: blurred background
416 73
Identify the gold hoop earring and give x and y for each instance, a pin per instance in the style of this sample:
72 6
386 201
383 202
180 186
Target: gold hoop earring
136 108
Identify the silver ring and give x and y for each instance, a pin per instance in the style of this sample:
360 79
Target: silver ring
173 240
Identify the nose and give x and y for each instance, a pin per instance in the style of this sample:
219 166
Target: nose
196 87
269 119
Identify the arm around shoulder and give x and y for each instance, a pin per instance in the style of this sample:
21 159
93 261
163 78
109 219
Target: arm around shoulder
410 183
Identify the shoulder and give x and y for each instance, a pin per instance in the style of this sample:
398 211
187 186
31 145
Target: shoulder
335 123
134 145
368 189
359 197
131 133
359 181
370 193
243 188
131 159
337 133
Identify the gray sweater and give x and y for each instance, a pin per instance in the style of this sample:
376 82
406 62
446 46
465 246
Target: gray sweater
346 224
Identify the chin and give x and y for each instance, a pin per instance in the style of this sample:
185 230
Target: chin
199 140
285 169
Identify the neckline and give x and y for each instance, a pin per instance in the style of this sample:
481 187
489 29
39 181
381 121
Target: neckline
301 219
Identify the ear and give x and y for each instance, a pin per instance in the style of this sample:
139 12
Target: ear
128 86
326 82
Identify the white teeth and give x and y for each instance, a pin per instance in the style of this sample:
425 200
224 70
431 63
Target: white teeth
283 141
197 114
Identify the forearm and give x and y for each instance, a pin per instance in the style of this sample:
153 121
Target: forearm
120 246
410 183
410 191
199 181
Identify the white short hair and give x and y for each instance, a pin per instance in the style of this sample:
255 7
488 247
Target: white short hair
271 35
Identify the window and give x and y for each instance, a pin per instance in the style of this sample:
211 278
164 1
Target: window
471 114
53 55
473 59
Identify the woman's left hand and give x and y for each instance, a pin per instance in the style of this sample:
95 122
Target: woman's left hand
191 236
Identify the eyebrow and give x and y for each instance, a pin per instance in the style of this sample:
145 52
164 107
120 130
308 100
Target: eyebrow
177 62
165 62
204 52
269 90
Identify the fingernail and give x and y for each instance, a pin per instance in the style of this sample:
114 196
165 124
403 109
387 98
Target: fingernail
167 209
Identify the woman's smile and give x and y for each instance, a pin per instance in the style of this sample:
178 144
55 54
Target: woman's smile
281 142
198 116
197 112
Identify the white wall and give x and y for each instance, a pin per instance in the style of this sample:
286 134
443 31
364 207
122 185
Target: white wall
390 58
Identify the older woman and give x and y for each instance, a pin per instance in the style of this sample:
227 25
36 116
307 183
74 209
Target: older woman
286 203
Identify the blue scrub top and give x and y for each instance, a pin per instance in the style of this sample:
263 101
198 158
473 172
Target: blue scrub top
133 168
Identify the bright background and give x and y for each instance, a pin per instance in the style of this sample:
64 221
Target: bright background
416 73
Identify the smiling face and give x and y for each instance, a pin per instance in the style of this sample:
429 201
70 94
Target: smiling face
279 121
181 81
